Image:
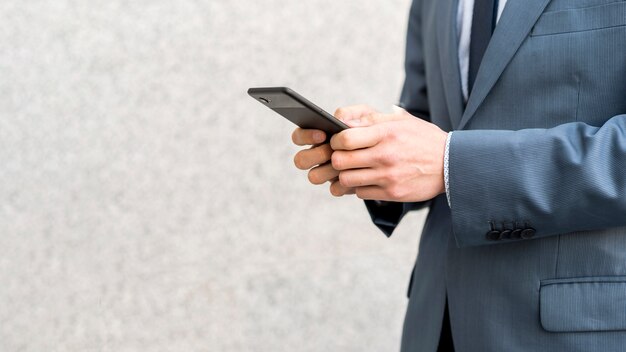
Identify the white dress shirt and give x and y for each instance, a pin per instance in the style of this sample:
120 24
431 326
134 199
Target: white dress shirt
464 16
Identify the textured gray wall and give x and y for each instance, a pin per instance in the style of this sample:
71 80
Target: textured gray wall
146 203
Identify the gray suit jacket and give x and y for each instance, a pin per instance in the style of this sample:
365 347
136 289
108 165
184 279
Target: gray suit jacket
532 255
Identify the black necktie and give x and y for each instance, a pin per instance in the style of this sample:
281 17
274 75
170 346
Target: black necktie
483 23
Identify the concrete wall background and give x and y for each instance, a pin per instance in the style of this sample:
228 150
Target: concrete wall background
146 203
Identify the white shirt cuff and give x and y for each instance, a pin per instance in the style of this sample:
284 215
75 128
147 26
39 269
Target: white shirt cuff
446 166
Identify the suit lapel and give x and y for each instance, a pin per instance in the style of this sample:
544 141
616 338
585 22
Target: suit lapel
517 20
449 58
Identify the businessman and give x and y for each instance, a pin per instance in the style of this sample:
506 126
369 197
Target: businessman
514 134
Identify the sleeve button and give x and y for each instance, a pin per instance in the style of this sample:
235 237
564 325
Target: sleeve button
528 233
493 235
516 234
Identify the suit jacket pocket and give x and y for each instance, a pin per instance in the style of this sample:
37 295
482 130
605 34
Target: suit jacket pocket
582 19
583 304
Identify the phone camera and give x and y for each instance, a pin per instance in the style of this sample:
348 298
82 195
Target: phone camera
265 100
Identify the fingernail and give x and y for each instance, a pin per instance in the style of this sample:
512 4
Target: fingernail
318 136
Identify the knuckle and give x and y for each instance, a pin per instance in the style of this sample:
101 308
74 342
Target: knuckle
336 161
334 189
395 192
347 141
389 133
344 180
340 112
387 157
368 119
391 177
313 177
375 117
295 136
298 160
383 130
385 178
324 153
380 157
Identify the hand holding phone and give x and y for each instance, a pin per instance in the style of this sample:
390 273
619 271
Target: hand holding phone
315 128
317 157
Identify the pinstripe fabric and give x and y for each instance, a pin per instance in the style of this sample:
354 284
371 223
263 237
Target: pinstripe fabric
541 143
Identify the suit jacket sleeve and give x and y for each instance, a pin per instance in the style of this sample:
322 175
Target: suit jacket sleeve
387 215
554 181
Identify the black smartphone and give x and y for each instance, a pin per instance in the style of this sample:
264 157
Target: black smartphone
297 109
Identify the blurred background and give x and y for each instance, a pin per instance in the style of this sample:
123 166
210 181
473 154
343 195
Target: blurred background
147 203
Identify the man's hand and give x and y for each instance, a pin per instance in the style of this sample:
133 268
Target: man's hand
395 157
317 158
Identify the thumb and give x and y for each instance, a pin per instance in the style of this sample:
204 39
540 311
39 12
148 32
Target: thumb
375 118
